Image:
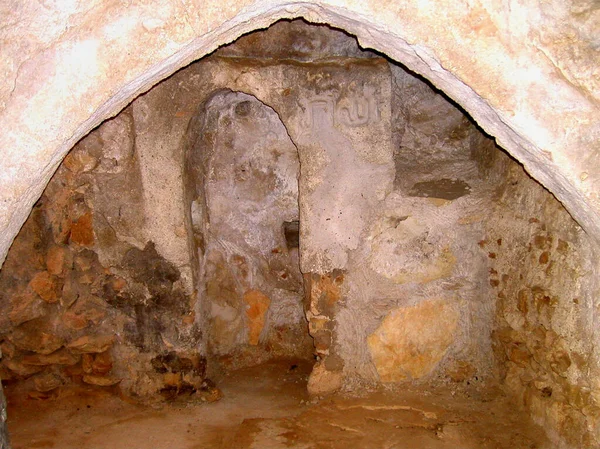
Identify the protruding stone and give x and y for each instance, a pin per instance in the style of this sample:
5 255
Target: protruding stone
100 381
519 354
323 381
82 231
70 291
87 310
411 341
102 363
36 336
86 363
208 391
91 344
47 382
39 396
61 357
560 361
57 213
20 369
46 286
57 259
80 161
172 379
25 307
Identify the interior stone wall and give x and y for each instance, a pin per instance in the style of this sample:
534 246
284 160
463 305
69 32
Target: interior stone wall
367 249
421 268
181 249
541 266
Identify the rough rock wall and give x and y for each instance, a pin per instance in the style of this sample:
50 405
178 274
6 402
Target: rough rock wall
542 272
413 308
344 138
392 194
88 299
418 267
116 218
346 116
306 90
393 191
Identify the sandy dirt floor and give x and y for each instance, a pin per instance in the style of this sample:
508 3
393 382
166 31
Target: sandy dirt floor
266 407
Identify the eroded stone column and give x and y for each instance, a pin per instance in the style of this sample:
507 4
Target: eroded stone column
322 293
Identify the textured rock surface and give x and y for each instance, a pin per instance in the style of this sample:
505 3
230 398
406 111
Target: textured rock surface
540 265
324 381
411 341
257 305
242 183
84 303
343 136
206 182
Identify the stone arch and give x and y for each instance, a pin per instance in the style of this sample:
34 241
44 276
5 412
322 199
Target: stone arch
539 103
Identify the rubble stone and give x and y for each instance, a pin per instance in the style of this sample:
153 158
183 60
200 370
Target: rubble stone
37 336
46 286
91 344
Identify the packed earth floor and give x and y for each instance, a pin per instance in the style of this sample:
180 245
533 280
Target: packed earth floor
267 407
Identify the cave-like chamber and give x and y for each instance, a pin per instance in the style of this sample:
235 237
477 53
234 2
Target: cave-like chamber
295 207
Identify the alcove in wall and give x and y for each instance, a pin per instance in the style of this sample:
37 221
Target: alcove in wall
242 174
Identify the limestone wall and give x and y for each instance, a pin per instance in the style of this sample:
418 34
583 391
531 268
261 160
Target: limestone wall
360 258
414 288
180 203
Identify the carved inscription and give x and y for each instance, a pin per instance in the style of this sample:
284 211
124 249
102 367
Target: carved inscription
319 113
324 112
358 111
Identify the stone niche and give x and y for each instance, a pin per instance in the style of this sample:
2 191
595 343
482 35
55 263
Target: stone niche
293 196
